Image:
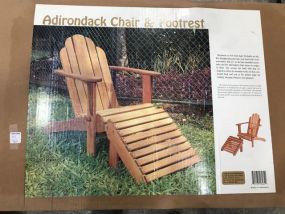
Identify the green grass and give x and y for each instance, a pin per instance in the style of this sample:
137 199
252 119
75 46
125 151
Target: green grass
57 164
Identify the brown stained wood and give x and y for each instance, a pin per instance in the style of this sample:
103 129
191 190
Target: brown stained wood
100 124
97 70
84 63
153 140
158 153
253 125
153 132
142 120
113 156
134 114
232 145
158 147
146 126
86 79
147 88
107 78
91 113
80 86
245 136
252 129
172 168
75 87
135 70
116 141
168 161
230 150
113 111
164 153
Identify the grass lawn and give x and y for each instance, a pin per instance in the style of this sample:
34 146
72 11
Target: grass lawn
57 164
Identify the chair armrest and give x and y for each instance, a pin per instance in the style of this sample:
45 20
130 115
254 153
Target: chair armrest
81 77
134 70
238 124
146 80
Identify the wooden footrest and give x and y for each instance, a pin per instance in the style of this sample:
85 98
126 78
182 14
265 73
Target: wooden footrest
149 143
232 145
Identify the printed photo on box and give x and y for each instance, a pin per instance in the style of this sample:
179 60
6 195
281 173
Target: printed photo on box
130 102
119 111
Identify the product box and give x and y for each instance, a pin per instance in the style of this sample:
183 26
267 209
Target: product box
111 105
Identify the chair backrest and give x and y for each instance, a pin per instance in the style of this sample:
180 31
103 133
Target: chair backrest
253 125
81 56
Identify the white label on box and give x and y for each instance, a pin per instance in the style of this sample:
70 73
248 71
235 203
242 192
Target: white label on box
15 137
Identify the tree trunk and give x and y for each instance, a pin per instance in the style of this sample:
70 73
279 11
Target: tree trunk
122 56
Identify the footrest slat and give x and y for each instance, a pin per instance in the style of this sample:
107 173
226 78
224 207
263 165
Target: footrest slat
154 140
159 146
163 153
172 168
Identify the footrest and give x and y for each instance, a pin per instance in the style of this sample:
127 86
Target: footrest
149 143
232 145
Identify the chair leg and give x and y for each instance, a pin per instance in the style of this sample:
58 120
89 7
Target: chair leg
113 156
252 144
91 134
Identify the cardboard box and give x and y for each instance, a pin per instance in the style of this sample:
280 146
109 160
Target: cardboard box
16 39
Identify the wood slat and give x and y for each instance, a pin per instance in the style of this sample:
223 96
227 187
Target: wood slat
163 153
153 132
231 150
79 85
228 148
234 143
97 70
157 147
142 120
71 84
146 126
107 77
234 140
134 114
153 140
114 111
172 168
168 161
84 63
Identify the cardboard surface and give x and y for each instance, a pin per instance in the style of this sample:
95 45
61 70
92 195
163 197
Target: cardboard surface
16 38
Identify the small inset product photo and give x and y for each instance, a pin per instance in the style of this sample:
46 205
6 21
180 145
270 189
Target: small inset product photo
233 144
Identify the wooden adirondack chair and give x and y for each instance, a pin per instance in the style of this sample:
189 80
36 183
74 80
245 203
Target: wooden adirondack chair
90 86
144 136
252 129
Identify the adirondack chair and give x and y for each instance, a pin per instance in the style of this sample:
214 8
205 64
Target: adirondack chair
145 138
90 86
252 129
